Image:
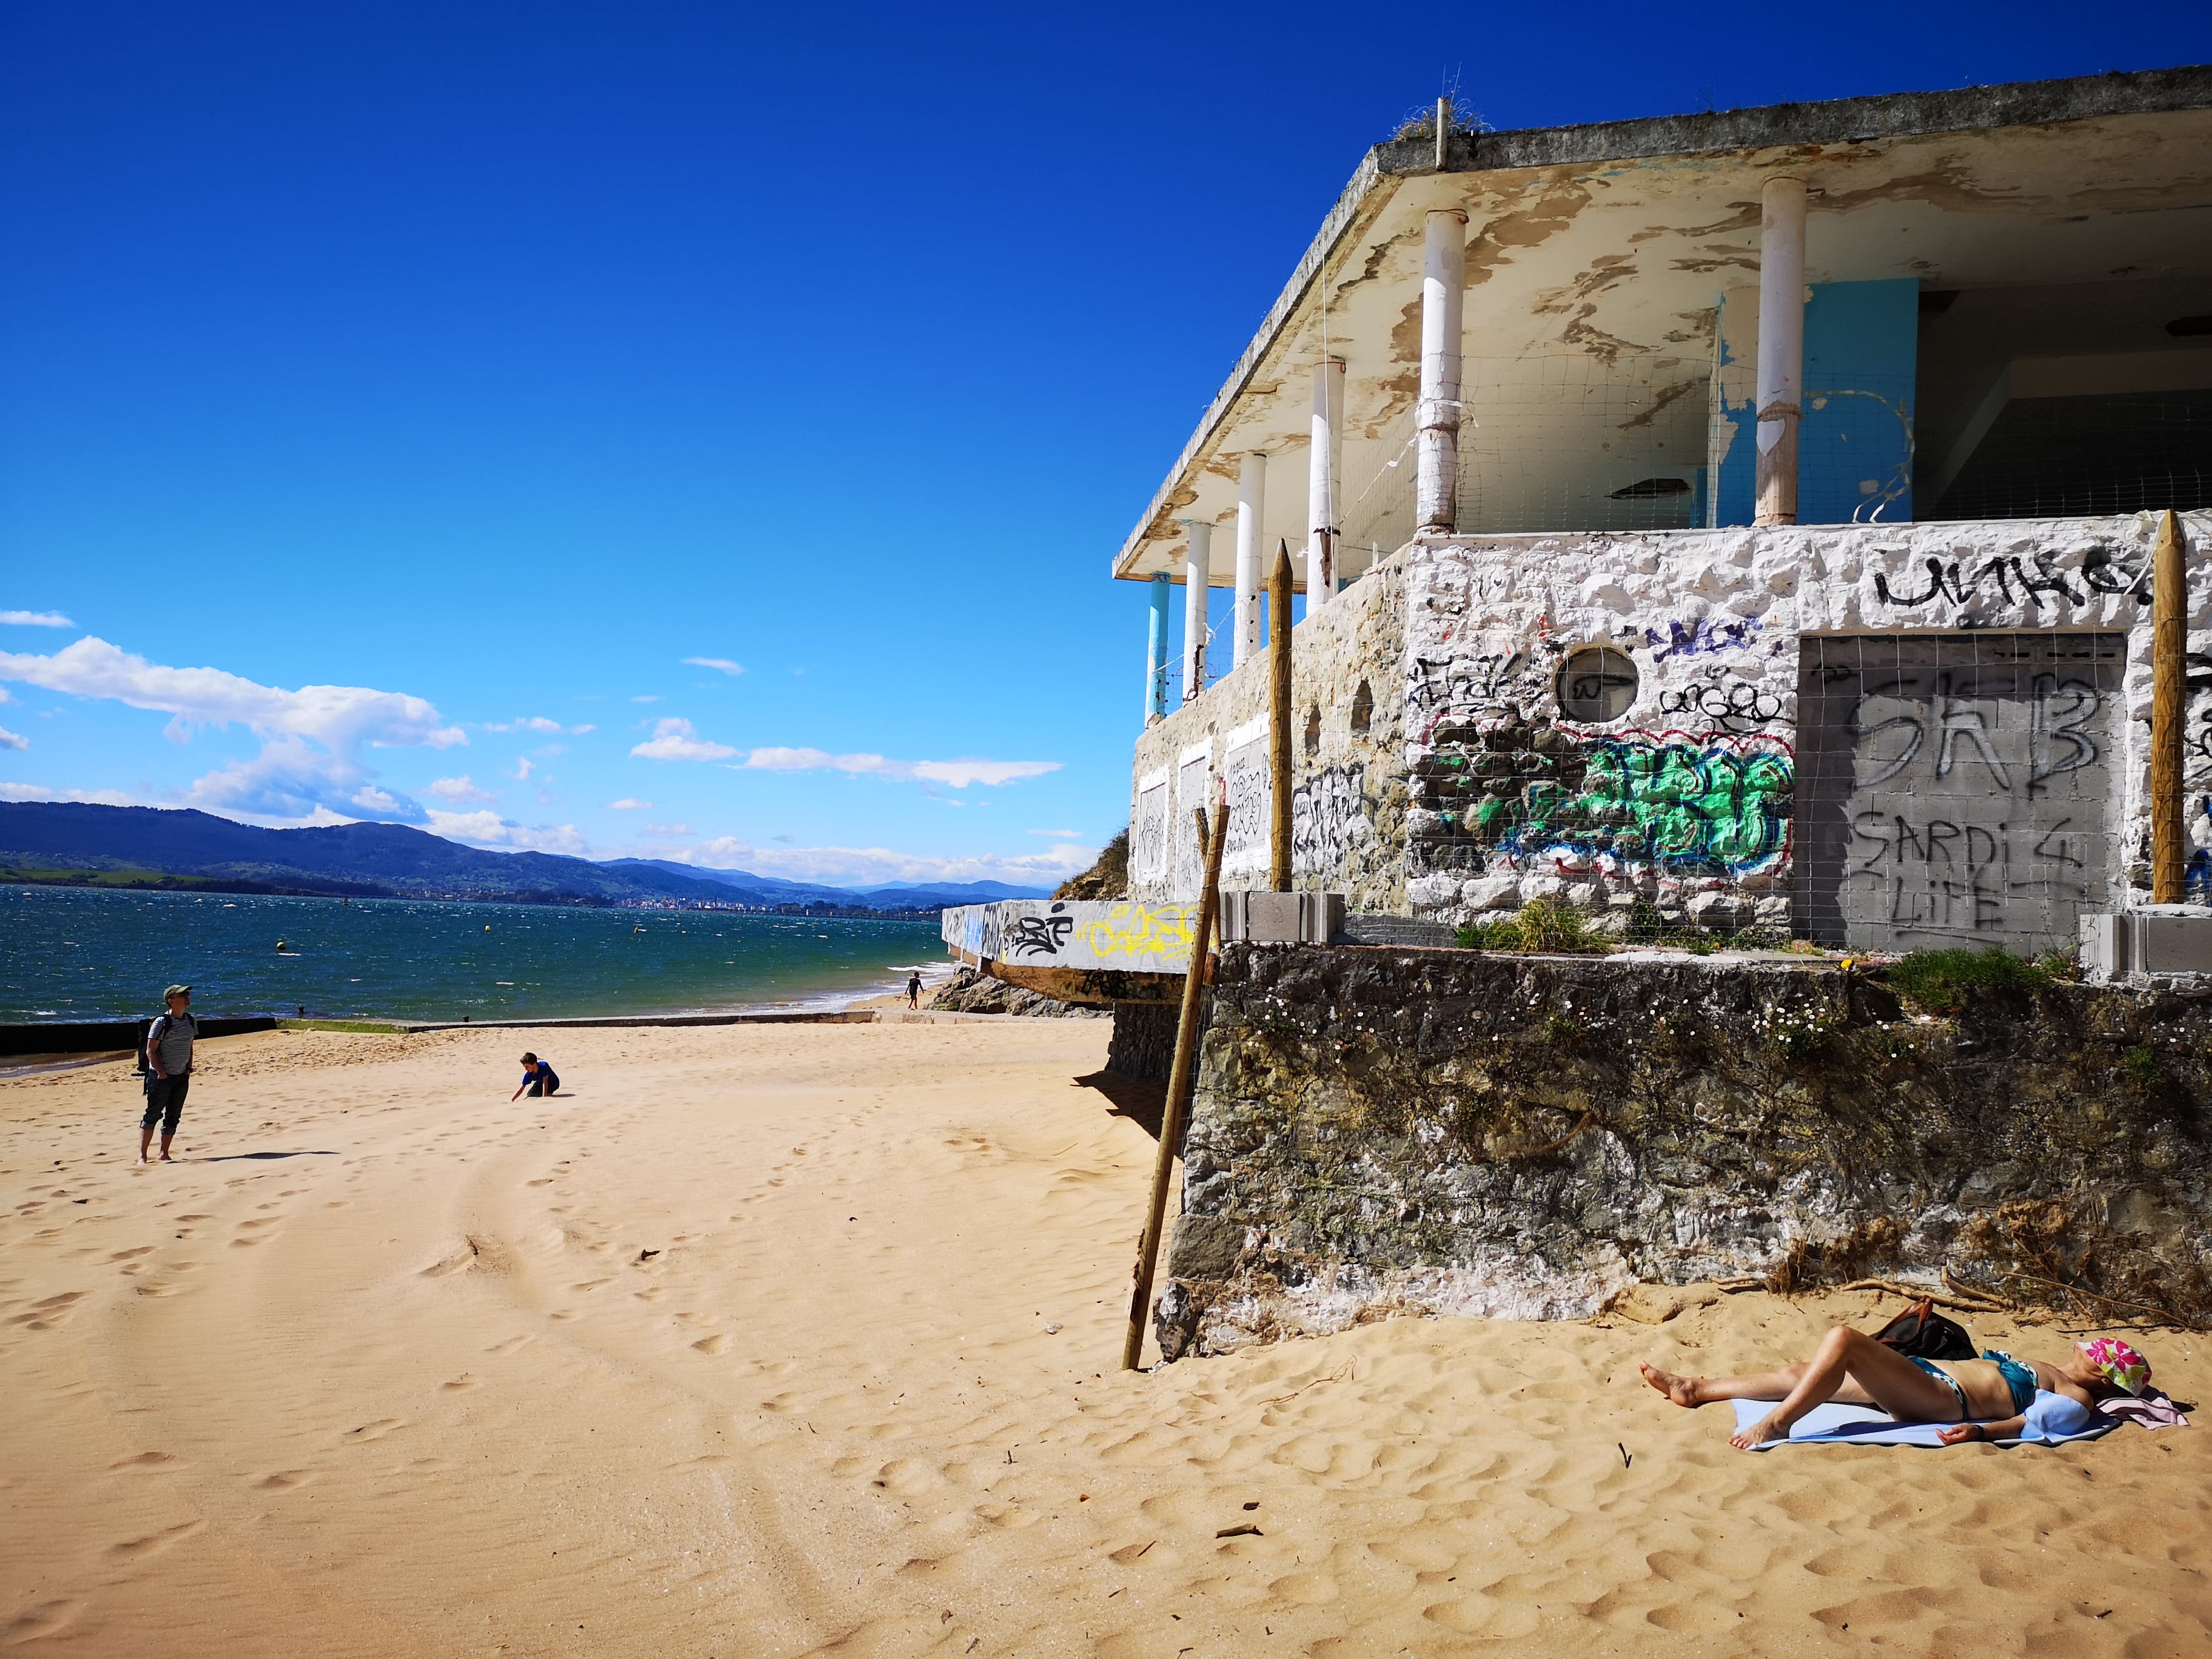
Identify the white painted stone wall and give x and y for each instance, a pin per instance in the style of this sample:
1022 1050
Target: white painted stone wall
1686 808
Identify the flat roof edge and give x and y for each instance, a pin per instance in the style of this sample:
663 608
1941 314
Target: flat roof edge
1834 121
1350 202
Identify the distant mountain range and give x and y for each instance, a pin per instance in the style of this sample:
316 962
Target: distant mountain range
49 840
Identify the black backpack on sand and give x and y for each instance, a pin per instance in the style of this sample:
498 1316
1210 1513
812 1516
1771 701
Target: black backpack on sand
1921 1332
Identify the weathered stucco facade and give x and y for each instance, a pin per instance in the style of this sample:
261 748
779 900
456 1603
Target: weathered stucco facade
1878 736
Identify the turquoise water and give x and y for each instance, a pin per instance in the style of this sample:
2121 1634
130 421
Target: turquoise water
83 954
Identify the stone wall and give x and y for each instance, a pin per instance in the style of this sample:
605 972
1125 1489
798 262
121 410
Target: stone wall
1378 1132
1881 735
1348 800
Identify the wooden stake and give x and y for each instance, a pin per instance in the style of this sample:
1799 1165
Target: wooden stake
1279 721
1179 1082
2169 614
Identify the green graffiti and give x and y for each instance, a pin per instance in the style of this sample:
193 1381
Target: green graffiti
1715 805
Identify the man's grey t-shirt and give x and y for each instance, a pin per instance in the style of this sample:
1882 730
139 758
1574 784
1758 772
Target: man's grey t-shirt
173 1034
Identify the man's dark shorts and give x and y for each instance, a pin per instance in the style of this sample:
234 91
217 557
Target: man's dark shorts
165 1102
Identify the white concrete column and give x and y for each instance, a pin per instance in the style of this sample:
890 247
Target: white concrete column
1251 508
1781 346
1321 528
1444 288
1197 580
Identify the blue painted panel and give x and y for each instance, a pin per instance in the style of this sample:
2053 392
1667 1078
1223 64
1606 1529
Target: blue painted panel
1855 446
1156 653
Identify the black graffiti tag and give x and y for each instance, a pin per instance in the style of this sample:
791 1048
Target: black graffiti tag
2101 572
1739 708
1038 936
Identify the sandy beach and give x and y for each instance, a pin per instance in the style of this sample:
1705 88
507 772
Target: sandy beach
783 1340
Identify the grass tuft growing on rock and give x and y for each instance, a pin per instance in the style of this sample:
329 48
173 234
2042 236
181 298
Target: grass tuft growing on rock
1938 980
1541 925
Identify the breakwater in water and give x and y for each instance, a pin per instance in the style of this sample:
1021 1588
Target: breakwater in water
1380 1132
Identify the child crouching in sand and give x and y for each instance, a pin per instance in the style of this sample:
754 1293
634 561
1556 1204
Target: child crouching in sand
1993 1398
538 1077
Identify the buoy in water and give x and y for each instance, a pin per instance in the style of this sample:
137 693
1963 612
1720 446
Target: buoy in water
487 927
280 947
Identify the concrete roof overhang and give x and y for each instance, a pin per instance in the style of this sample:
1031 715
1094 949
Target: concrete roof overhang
1613 242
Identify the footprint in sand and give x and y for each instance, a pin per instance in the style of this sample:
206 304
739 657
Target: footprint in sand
284 1479
464 1381
132 1549
148 1460
712 1344
1312 1587
376 1430
46 1619
509 1346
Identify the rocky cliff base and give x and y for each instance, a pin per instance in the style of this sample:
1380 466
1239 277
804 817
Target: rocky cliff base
1382 1131
970 993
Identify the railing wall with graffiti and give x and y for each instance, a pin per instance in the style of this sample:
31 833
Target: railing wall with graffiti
1084 934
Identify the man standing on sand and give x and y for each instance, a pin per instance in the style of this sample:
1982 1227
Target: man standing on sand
913 990
168 1070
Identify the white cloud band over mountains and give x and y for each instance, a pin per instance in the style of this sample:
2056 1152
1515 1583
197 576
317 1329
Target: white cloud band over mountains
678 740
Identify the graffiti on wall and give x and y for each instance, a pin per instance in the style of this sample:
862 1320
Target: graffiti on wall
1713 805
1710 803
1704 636
1971 792
1247 774
1328 818
2094 570
1076 934
1148 831
1738 706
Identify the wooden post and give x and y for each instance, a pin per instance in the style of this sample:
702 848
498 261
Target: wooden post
1179 1082
2169 647
1279 721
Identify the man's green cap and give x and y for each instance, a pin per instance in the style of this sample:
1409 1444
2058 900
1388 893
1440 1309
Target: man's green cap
176 991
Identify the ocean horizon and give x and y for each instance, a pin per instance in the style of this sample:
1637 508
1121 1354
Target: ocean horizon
88 954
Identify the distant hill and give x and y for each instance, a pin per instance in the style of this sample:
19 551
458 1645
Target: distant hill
372 859
887 896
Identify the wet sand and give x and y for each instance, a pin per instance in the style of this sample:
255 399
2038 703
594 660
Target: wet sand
746 1345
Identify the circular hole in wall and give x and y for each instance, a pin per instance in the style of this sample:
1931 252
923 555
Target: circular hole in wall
1597 683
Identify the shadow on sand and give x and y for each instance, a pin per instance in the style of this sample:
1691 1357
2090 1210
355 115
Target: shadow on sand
1142 1103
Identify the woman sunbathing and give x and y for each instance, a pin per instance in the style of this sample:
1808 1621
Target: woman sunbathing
1996 1397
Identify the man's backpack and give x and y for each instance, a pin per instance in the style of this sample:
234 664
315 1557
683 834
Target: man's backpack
151 1032
1921 1332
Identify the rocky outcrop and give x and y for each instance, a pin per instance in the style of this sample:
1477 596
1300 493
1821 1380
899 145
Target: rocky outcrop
970 993
1382 1131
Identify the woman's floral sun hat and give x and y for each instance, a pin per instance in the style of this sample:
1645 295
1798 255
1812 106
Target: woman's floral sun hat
2117 1363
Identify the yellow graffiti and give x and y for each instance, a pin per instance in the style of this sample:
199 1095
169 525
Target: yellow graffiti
1134 931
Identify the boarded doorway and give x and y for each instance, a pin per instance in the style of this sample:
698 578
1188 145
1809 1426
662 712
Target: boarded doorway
1956 788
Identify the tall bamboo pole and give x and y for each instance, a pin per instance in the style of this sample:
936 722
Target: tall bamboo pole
1279 721
1179 1081
2169 614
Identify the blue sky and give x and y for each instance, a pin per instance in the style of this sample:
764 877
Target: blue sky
690 429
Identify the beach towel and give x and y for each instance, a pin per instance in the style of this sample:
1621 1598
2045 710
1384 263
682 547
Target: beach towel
1863 1425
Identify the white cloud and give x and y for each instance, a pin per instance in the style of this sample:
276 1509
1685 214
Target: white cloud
579 730
85 797
13 739
6 696
865 866
649 699
489 830
460 790
1057 835
311 738
668 829
721 664
523 768
675 739
34 619
629 803
527 723
956 774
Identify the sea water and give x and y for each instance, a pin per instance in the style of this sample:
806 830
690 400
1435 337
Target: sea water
85 954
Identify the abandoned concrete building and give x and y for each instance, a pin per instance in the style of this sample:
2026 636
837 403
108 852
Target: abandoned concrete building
1730 528
1742 516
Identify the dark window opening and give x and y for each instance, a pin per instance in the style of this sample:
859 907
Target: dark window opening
1363 709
